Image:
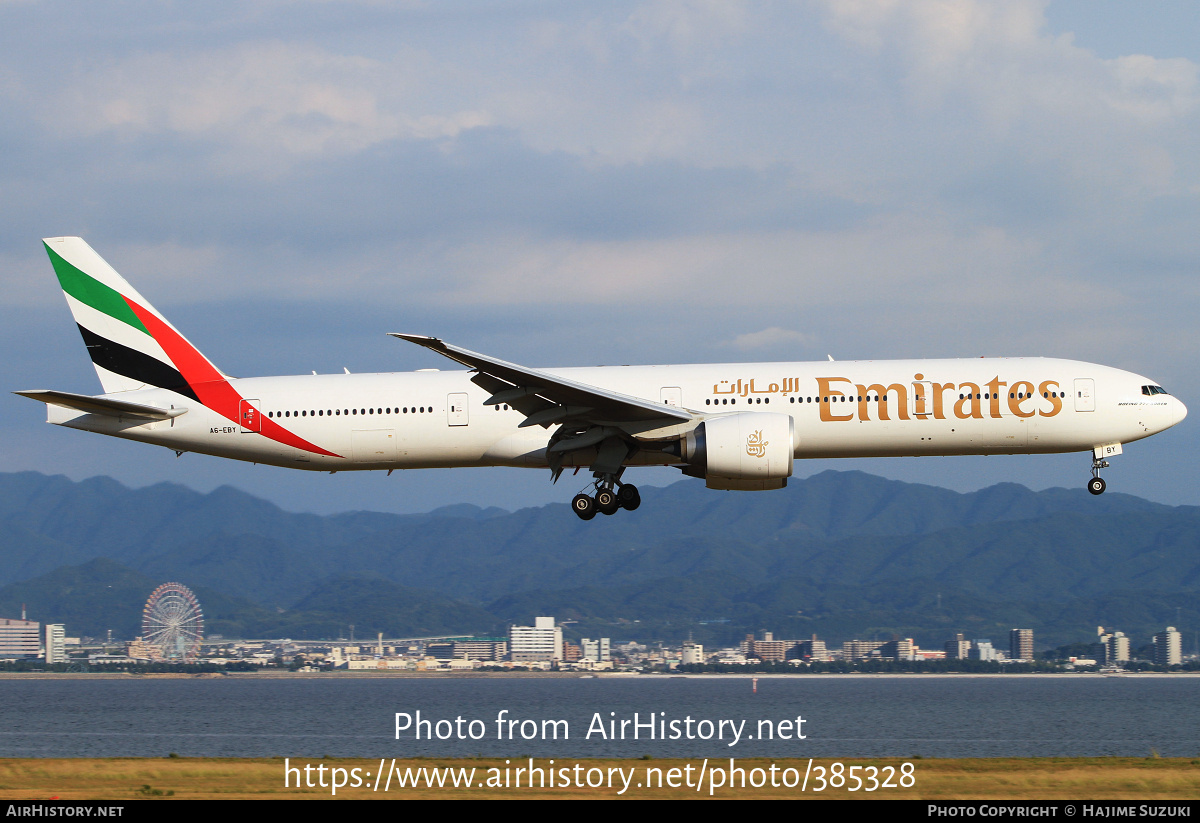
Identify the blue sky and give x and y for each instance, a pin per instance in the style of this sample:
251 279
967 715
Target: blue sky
576 184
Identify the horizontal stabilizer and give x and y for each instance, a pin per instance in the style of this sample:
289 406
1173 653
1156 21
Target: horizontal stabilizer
101 405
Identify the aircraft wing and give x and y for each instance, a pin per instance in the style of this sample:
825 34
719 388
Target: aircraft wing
546 399
101 405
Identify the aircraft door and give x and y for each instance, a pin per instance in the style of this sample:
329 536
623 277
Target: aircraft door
248 416
672 396
922 400
1085 394
456 409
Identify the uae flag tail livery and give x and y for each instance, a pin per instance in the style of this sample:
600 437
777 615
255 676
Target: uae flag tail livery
136 350
131 344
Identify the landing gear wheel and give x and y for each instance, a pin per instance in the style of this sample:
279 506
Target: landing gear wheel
606 502
628 497
1097 485
584 506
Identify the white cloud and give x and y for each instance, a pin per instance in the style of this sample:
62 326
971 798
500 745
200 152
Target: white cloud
1154 89
771 338
998 59
687 27
267 101
711 84
917 266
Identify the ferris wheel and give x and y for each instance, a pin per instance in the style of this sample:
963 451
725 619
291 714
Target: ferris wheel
172 624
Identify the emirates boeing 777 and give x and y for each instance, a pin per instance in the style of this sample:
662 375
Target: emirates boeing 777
737 425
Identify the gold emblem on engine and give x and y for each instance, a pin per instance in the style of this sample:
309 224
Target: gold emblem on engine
755 445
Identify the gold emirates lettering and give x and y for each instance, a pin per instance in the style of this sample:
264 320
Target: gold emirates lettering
971 403
891 401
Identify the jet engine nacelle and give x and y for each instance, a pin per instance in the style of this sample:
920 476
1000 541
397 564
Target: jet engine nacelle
749 451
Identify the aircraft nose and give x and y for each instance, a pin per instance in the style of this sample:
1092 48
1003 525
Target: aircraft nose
1178 411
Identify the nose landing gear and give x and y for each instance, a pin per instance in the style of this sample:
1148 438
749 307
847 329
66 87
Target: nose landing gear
1097 485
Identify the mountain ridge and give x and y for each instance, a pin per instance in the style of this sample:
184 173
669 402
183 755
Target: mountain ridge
870 540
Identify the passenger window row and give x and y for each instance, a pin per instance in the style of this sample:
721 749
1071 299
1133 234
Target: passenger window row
876 398
722 401
351 412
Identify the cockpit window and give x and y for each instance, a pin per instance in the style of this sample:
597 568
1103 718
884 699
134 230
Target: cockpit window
1149 390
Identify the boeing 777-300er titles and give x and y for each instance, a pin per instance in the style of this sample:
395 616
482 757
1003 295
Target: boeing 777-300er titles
738 426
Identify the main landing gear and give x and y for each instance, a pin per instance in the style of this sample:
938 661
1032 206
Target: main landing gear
1097 485
610 496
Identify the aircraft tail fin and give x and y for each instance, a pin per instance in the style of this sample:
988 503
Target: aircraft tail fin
131 345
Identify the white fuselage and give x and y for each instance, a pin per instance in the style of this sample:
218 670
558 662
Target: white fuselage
430 419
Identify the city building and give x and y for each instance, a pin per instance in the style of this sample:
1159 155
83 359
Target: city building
1020 644
1168 647
1116 648
959 648
860 649
20 638
484 649
983 650
731 657
137 649
813 649
56 643
598 650
770 651
693 653
898 649
543 641
380 664
440 649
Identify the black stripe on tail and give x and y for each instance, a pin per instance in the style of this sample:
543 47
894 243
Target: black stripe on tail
134 364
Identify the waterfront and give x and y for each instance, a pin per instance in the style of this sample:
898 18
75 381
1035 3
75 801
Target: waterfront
844 716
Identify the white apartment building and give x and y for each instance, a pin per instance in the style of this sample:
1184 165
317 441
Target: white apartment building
598 650
56 643
540 642
692 653
1116 648
1168 647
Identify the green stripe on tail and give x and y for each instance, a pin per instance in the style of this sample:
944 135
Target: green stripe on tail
92 292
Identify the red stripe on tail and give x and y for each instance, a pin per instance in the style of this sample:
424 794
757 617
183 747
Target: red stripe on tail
213 390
